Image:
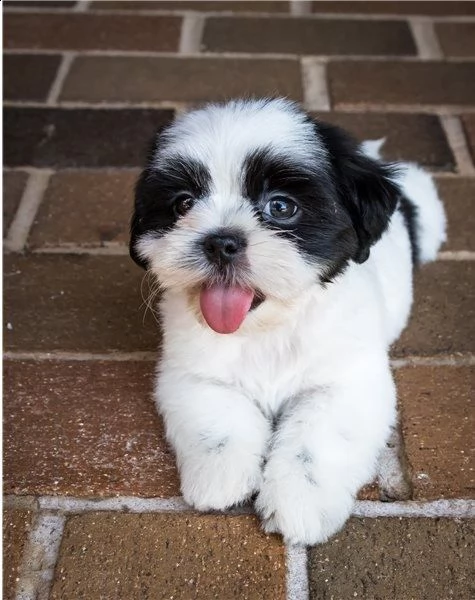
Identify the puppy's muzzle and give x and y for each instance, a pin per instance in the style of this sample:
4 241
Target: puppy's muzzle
223 248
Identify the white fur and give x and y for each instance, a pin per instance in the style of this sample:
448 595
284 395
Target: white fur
317 356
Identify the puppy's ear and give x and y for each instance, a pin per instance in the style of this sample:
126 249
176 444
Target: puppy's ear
136 222
364 186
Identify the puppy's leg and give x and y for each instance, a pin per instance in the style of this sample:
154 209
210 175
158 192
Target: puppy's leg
324 450
219 437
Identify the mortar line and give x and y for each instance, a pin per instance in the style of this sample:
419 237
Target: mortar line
314 82
454 508
300 8
61 74
39 557
425 38
25 215
431 109
297 581
456 255
82 6
457 141
192 27
466 360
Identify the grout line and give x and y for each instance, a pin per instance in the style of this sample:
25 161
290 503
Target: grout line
57 85
297 573
300 8
191 33
452 126
425 38
456 255
39 558
438 109
72 105
82 356
456 508
27 209
314 82
466 360
68 504
81 6
394 481
112 250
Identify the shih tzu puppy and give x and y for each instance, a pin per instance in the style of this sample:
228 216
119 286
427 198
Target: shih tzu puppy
284 252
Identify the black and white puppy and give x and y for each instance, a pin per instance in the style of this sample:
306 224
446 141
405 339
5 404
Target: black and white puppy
285 255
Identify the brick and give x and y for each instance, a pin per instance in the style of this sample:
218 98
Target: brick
168 556
429 83
456 39
96 79
307 36
443 320
42 137
438 422
417 138
85 208
83 31
16 525
39 3
76 303
96 431
458 195
441 7
28 77
469 126
395 558
265 6
13 185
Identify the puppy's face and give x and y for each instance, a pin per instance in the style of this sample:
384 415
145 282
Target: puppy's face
245 206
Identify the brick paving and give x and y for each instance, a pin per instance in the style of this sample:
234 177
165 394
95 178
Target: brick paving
92 507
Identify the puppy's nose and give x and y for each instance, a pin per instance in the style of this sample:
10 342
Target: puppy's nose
223 247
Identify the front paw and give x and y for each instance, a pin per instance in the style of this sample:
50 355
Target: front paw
302 509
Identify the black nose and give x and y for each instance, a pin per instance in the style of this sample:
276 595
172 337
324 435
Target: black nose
223 247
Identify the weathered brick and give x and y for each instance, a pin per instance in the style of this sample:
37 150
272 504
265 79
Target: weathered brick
441 7
438 422
168 556
83 31
85 208
469 126
443 319
395 558
28 76
76 303
458 195
36 4
456 39
431 83
265 6
96 431
96 79
13 185
16 525
307 36
102 138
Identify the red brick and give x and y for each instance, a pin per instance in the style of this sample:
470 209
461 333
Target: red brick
400 559
265 6
443 319
85 208
430 83
140 557
456 39
409 7
469 126
28 76
13 185
97 79
16 525
76 303
84 428
438 424
82 31
307 36
458 195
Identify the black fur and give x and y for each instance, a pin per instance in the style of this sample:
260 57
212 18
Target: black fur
409 212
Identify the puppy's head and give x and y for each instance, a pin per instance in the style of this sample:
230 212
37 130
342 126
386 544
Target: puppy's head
244 206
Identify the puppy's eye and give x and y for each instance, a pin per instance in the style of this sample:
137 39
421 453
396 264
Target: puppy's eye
280 208
182 204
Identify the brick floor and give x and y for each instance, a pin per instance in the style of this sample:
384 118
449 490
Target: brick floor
86 87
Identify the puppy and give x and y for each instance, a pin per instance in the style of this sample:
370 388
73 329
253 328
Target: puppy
285 255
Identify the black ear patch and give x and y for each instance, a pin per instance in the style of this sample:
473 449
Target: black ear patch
364 186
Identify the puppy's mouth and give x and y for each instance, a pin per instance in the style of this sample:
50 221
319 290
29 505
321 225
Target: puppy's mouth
224 307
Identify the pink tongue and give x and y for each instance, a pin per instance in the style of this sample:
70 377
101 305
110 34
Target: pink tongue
225 307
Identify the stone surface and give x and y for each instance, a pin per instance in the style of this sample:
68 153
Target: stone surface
85 208
211 5
469 126
41 137
142 557
458 195
438 422
16 525
153 79
76 303
456 39
307 36
443 319
401 559
441 7
28 76
431 83
412 137
96 430
13 185
82 31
